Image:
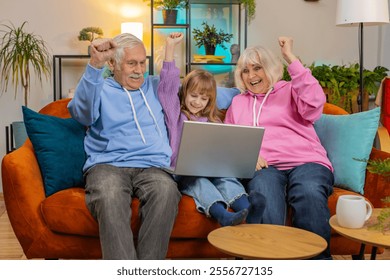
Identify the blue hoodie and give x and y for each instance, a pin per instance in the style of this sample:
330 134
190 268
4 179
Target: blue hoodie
117 134
122 130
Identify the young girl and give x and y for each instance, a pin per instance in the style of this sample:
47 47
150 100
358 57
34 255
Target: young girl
213 196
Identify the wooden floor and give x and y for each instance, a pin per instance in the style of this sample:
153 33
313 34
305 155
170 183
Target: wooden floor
10 248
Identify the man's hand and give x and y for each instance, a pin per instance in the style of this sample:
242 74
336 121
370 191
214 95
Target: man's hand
261 163
102 50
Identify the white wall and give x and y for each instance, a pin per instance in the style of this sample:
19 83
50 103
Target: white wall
311 24
316 37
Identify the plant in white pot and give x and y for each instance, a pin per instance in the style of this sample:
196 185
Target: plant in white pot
169 9
22 53
89 34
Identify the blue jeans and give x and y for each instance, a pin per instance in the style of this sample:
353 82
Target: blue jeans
207 191
305 189
109 192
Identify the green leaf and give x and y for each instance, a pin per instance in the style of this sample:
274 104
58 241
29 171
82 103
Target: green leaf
18 51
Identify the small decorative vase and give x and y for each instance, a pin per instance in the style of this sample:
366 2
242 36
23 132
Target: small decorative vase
210 50
235 51
169 16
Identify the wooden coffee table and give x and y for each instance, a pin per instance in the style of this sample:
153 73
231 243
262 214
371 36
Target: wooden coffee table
264 241
363 235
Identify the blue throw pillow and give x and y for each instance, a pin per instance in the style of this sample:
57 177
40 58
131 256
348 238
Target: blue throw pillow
347 138
59 148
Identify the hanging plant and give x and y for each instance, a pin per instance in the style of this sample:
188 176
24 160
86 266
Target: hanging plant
250 6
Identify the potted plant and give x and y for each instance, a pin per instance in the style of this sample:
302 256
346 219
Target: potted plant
381 167
169 9
341 83
210 38
90 34
372 79
21 53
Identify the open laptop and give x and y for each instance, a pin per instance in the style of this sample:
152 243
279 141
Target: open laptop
218 150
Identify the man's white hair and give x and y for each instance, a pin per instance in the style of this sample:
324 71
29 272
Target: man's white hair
125 40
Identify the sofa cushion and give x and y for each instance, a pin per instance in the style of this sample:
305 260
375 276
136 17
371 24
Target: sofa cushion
348 139
66 212
59 147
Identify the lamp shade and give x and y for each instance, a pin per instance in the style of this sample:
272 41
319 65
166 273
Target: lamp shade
135 28
368 12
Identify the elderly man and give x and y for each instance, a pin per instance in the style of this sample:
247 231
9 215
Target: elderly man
126 145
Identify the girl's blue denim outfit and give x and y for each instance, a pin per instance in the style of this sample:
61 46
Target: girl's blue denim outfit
207 190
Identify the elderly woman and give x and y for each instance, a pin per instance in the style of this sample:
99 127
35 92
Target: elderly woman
293 169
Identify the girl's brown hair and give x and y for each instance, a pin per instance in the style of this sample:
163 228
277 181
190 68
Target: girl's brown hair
201 82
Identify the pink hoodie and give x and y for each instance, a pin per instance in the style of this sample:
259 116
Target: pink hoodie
288 114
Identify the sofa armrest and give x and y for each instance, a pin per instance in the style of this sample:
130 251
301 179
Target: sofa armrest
23 193
383 139
376 186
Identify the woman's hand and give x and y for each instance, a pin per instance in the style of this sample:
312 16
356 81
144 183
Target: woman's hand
286 46
261 163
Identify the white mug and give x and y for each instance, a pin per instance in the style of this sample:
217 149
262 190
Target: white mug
352 211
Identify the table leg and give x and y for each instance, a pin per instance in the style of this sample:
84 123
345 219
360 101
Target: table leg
373 253
361 253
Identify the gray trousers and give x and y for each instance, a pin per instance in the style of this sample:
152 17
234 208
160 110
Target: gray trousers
109 191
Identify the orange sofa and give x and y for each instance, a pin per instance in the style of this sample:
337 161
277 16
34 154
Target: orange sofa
61 227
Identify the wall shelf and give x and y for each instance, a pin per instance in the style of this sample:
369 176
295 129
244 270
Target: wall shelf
57 72
226 15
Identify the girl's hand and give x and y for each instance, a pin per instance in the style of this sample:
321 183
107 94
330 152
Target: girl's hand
261 163
175 38
286 46
172 40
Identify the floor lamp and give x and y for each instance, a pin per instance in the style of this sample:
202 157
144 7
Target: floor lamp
359 13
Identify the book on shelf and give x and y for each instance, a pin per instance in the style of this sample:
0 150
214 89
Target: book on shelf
208 58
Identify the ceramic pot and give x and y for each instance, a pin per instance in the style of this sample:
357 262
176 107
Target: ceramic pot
210 50
169 16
